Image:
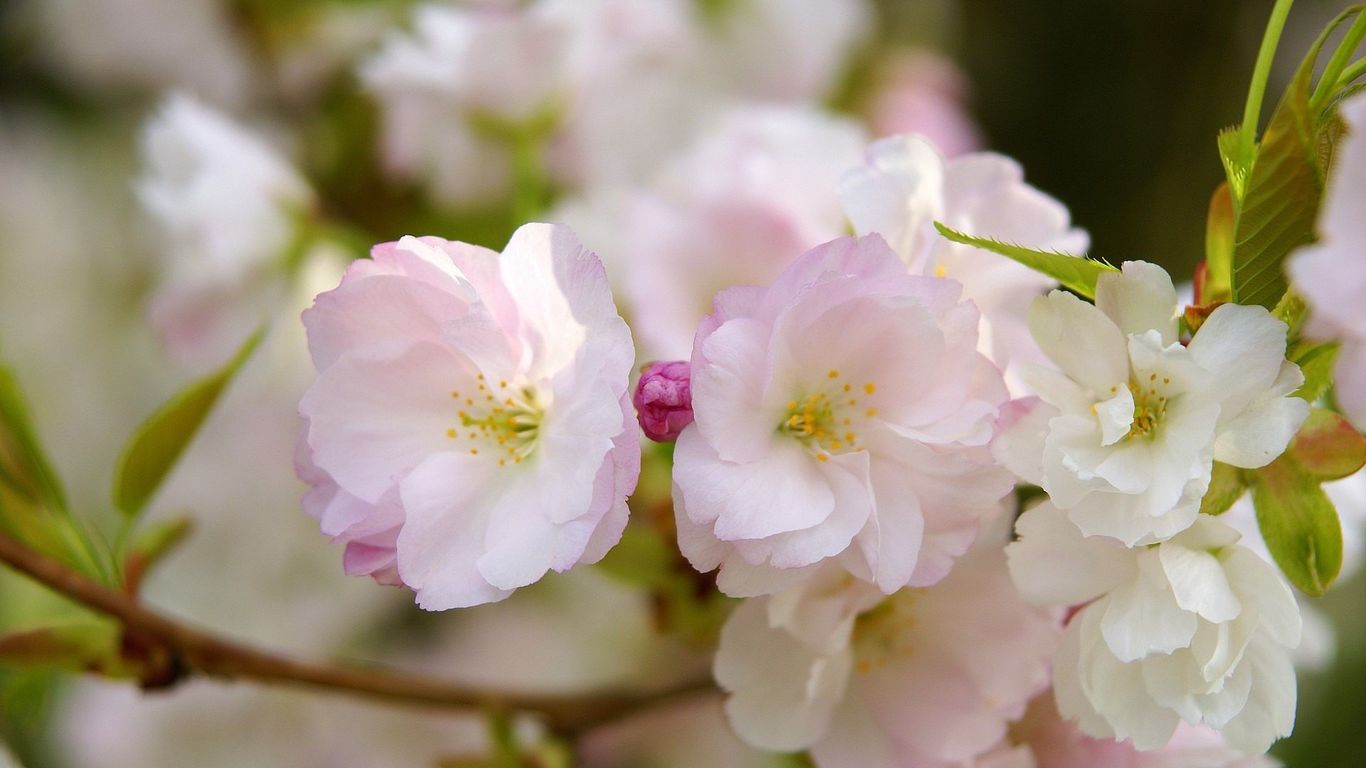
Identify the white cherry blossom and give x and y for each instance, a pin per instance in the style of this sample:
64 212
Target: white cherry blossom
1124 434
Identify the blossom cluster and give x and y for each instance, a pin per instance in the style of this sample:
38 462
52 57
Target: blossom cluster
963 511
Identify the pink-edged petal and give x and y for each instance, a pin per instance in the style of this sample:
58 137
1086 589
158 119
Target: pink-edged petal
373 417
448 512
783 491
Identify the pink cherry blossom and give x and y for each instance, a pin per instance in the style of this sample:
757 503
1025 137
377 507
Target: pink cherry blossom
735 209
470 426
226 205
905 185
843 413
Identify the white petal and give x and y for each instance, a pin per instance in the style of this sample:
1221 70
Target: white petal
1085 344
1243 349
1116 416
898 194
1255 437
782 694
1018 446
1139 298
1262 588
1143 616
1053 564
1197 578
1269 713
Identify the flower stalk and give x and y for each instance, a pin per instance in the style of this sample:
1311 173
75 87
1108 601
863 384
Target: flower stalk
192 651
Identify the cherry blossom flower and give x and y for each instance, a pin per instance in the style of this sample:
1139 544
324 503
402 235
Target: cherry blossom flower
1197 628
226 205
735 209
580 71
460 64
841 413
1125 436
925 677
1330 274
905 185
476 402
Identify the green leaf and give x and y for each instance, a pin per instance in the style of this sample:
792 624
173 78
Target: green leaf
1327 447
1277 211
23 465
1226 486
152 545
1300 525
1076 273
1282 200
1316 363
157 444
1237 162
78 645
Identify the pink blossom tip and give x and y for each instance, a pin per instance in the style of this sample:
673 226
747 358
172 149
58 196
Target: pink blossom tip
663 399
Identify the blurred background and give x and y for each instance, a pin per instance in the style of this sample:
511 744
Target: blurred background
1112 107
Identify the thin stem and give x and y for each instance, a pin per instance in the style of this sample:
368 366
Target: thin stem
1252 112
1333 71
200 652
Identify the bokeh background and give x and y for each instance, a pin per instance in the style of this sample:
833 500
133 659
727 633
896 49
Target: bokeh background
1112 107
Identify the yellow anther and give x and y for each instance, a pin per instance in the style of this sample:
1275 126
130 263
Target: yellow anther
834 374
450 432
870 387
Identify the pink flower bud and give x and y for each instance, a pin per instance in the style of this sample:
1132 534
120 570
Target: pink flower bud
664 399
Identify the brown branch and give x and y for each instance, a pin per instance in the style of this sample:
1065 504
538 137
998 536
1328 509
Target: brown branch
197 651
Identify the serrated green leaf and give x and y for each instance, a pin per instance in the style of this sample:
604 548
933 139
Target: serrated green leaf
1300 525
1237 161
1076 273
1282 201
1328 447
24 466
156 445
1276 213
1316 363
1227 484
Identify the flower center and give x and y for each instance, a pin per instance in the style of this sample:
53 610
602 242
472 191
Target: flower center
825 420
504 425
884 634
1150 404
